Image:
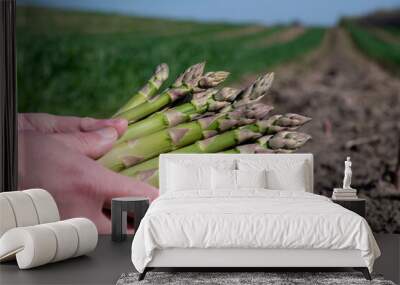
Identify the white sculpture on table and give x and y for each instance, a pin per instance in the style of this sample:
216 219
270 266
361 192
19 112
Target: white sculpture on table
347 174
346 192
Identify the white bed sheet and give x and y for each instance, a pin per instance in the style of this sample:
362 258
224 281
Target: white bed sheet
252 218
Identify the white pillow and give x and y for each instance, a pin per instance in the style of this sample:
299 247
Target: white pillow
185 174
230 180
183 177
293 179
282 174
223 179
251 178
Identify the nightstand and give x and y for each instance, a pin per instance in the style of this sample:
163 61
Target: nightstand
119 209
355 205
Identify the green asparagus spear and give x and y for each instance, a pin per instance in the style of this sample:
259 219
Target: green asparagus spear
133 152
192 78
209 100
203 102
254 92
148 171
282 142
148 90
275 124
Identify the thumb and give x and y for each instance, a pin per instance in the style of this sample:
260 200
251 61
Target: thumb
93 144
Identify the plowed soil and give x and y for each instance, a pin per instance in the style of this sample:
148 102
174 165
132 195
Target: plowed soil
355 106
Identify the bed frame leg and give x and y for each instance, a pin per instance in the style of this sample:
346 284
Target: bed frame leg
143 274
364 271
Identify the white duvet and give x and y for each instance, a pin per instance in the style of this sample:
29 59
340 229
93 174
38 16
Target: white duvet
250 219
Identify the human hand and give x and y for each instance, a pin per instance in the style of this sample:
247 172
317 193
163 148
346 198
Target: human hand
59 156
49 124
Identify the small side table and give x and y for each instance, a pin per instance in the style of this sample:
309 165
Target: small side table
355 205
119 209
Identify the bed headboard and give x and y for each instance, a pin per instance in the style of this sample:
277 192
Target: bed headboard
210 159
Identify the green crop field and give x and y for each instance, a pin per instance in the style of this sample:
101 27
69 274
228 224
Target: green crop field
88 64
384 52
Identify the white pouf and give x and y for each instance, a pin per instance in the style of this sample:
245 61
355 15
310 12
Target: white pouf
67 239
87 233
23 208
26 208
31 232
46 207
7 220
37 245
33 246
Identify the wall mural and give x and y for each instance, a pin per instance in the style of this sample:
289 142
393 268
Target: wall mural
157 86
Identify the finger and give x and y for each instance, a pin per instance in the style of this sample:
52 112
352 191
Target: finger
111 185
47 123
90 124
93 144
103 224
87 207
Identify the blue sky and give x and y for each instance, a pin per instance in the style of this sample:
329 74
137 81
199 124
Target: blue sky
310 12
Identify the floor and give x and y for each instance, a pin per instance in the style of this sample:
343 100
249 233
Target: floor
389 262
103 266
110 260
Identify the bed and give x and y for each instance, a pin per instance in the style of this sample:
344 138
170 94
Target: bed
215 211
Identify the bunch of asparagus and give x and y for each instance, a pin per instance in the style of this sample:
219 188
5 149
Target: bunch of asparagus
193 116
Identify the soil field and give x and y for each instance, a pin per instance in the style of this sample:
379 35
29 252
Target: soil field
355 106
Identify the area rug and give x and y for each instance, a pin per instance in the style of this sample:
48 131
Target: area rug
268 278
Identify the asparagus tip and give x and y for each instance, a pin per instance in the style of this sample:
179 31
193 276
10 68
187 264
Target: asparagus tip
191 75
262 85
278 123
201 98
162 71
258 111
288 140
198 69
212 79
227 94
294 119
256 90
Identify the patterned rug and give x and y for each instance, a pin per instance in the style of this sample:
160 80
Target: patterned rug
268 278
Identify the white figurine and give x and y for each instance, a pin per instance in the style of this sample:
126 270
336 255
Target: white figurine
345 193
347 174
